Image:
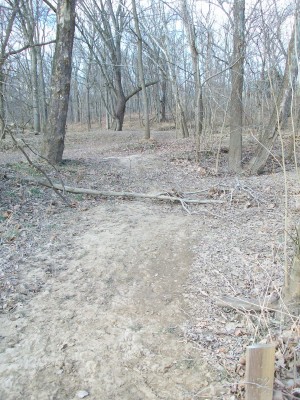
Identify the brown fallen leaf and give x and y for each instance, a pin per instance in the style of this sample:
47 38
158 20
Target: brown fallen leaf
7 214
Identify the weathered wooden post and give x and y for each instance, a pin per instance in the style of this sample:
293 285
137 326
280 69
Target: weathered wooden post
260 368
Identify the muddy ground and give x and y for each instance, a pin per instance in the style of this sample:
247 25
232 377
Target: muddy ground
117 298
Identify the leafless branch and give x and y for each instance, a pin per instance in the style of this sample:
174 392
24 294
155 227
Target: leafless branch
28 46
39 169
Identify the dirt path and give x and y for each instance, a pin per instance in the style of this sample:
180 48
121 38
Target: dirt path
110 324
116 299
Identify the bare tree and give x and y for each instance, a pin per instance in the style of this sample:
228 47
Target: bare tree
9 13
171 51
198 102
110 21
29 15
141 69
237 79
282 101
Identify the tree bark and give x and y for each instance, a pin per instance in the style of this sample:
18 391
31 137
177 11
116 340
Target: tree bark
163 100
237 80
120 110
54 137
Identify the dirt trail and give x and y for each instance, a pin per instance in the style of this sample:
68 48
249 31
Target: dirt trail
110 322
119 302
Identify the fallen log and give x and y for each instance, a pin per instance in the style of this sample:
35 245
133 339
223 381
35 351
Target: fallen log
245 304
253 305
132 195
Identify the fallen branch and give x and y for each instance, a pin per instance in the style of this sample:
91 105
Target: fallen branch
250 305
129 195
240 304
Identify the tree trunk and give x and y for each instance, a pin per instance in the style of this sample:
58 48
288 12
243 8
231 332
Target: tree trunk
282 102
88 92
54 137
88 109
237 79
78 103
2 103
29 16
5 35
107 114
42 91
198 100
163 100
141 70
120 111
35 91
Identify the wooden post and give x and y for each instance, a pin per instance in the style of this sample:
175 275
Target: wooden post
260 368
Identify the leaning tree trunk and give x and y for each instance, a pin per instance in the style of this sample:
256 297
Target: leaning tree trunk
54 137
283 101
237 80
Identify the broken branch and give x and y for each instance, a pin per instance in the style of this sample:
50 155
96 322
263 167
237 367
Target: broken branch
92 192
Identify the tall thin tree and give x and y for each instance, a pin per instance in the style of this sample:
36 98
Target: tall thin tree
198 102
237 80
141 69
9 17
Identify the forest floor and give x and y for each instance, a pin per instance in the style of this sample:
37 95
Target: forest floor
118 299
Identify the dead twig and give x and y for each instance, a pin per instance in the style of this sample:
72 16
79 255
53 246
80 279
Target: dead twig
39 169
243 188
48 162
